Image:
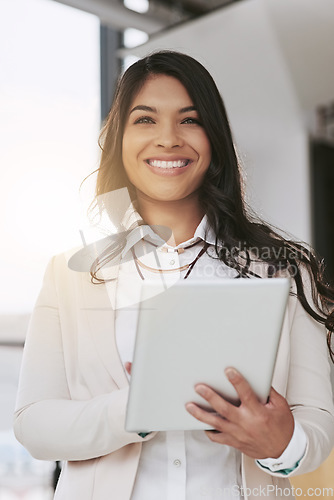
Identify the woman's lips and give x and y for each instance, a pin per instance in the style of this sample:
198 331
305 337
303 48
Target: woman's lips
168 167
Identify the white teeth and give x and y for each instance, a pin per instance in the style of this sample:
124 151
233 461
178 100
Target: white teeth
168 164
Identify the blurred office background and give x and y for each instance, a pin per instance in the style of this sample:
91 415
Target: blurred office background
59 60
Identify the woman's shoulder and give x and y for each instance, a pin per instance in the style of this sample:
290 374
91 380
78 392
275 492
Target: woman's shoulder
74 266
60 270
64 287
261 268
60 262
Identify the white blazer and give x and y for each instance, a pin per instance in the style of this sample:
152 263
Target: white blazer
73 391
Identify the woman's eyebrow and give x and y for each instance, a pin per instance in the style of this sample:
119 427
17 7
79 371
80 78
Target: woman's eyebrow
142 107
187 109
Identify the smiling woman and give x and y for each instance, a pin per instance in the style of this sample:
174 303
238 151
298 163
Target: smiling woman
165 149
167 142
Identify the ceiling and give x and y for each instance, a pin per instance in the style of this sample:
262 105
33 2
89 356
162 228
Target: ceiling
190 8
161 15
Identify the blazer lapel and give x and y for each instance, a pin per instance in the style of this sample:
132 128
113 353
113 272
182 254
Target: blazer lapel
99 312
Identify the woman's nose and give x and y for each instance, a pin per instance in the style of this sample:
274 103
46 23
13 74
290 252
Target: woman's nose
168 136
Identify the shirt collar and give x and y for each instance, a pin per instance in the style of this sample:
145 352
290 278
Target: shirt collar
205 231
134 224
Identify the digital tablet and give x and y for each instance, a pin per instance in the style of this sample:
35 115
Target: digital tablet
189 334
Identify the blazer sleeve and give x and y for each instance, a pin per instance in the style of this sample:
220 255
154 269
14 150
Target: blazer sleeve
47 422
309 389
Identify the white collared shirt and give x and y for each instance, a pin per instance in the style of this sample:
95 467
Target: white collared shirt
183 465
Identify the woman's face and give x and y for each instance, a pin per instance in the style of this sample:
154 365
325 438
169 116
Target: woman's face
165 150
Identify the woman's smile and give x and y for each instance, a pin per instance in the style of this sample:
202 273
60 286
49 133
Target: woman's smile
168 166
168 163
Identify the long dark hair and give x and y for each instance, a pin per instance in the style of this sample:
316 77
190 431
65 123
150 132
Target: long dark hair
242 239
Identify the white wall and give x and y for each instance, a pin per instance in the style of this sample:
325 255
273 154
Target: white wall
242 47
305 34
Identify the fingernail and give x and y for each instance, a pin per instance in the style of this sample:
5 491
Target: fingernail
190 407
200 390
230 373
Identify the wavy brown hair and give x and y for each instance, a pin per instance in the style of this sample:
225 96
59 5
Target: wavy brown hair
243 238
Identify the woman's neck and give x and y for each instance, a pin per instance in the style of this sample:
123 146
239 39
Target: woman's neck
181 216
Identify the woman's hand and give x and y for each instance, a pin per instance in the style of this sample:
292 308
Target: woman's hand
258 430
128 367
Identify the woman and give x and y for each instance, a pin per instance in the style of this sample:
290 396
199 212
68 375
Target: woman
167 140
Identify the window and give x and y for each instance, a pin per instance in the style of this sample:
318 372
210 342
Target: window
49 122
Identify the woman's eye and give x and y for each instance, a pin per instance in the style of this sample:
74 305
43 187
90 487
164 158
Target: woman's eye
191 121
144 119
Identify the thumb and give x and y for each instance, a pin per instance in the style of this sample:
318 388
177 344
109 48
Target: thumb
275 397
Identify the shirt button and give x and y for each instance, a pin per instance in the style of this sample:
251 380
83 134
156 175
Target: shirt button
172 262
177 463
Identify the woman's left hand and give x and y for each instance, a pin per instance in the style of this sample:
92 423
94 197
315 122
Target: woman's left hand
258 430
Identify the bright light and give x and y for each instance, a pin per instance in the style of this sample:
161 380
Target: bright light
134 37
49 124
141 6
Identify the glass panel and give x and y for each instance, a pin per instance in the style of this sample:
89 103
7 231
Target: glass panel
21 476
49 122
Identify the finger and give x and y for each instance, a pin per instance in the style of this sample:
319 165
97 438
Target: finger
128 366
217 402
245 392
212 419
275 396
277 401
222 438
